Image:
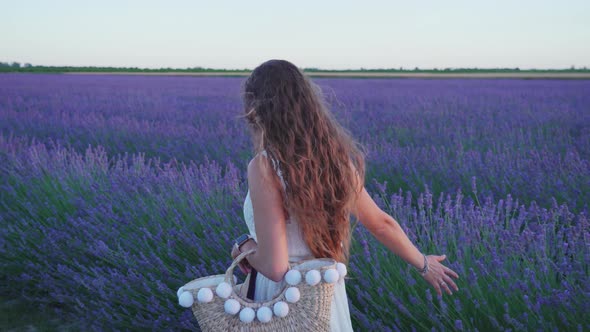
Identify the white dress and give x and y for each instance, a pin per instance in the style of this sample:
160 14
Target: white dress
266 289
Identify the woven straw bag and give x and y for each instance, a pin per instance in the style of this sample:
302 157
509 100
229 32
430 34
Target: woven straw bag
304 303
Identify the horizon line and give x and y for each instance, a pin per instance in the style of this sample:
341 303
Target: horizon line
362 68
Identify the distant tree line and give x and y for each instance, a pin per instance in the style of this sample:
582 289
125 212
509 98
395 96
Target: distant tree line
572 69
28 68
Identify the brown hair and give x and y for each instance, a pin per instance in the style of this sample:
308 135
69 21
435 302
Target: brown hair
319 160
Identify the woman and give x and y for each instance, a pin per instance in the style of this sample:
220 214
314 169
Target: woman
306 178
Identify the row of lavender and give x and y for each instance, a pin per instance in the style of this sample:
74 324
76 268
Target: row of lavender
530 139
105 242
86 233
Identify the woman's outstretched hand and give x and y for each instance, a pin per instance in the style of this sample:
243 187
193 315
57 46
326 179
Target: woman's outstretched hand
439 276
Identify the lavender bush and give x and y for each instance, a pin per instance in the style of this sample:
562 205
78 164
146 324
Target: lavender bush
527 138
117 190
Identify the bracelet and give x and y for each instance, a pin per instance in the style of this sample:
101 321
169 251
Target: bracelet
424 270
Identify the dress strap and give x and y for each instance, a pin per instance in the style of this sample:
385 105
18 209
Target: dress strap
275 165
280 174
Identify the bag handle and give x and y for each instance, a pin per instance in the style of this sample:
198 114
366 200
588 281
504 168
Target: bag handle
230 270
280 295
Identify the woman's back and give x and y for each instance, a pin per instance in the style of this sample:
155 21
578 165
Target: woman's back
266 289
296 245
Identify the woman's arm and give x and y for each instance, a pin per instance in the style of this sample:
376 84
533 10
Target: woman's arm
271 258
388 231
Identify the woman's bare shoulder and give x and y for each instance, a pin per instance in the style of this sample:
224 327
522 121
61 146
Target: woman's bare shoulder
259 168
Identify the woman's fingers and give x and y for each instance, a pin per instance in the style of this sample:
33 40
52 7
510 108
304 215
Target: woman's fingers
441 285
437 288
446 288
441 276
450 283
445 269
244 268
451 273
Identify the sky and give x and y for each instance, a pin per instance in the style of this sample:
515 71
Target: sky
322 34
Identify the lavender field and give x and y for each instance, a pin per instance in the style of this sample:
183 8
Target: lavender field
116 190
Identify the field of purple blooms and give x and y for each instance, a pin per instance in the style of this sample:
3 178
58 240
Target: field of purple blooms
112 187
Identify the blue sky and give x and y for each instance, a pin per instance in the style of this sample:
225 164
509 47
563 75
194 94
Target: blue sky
325 34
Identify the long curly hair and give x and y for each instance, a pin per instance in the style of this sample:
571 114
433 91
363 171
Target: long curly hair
320 162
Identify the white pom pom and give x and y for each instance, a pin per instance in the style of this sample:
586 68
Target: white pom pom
179 291
186 299
312 277
331 276
341 269
293 277
205 295
223 290
280 309
264 314
247 315
231 306
292 294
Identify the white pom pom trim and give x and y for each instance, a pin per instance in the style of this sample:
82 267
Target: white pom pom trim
293 277
223 290
342 270
179 291
231 306
331 276
247 315
205 295
313 277
280 309
186 299
292 294
264 314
